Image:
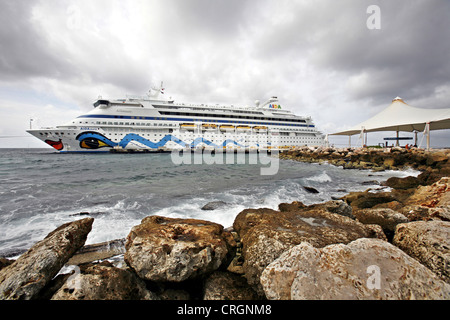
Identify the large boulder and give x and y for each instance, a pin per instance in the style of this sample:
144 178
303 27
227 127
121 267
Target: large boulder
167 249
103 281
28 275
428 242
363 269
267 233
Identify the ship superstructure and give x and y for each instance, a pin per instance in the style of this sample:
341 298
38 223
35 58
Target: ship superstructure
151 123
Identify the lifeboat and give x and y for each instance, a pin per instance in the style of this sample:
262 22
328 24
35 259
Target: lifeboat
260 128
243 128
187 126
209 126
227 128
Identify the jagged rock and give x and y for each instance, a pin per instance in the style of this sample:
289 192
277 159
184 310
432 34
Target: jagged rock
428 242
362 269
432 196
227 286
386 218
166 249
98 251
402 183
213 205
267 233
103 281
333 206
5 262
24 278
363 200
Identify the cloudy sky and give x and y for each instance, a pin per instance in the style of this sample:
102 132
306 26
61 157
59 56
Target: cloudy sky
319 57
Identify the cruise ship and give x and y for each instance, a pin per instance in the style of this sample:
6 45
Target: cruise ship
151 123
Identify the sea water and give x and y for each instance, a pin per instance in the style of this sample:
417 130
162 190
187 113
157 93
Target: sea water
41 190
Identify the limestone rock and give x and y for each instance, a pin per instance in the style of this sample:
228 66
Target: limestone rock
428 242
267 233
363 269
24 278
435 195
386 218
402 183
363 200
103 281
166 249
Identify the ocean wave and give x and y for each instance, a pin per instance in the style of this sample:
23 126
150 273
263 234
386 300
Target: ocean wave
322 177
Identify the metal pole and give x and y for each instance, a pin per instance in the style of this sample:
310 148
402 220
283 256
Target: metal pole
397 143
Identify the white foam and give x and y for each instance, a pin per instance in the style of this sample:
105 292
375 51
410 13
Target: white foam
323 177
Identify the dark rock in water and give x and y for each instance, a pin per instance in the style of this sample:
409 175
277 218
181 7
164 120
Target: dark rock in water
310 189
32 271
92 214
213 205
370 183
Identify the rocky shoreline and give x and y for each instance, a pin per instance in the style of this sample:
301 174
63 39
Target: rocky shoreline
366 245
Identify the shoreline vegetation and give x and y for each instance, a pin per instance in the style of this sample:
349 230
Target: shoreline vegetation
375 244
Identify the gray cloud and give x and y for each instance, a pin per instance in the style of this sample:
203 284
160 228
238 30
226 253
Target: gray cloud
318 56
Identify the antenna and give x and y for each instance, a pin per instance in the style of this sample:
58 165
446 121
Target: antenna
155 91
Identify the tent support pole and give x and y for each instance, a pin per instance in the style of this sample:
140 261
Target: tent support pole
397 143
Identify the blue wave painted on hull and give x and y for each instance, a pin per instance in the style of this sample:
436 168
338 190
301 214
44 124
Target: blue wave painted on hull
154 145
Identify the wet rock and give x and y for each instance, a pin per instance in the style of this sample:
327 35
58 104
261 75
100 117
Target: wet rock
227 286
311 189
402 183
362 269
166 249
30 273
428 242
267 233
213 205
103 281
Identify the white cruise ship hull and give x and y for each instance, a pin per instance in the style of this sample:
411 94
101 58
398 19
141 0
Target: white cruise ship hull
154 125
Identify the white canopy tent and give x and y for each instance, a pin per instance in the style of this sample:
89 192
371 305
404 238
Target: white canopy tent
400 116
